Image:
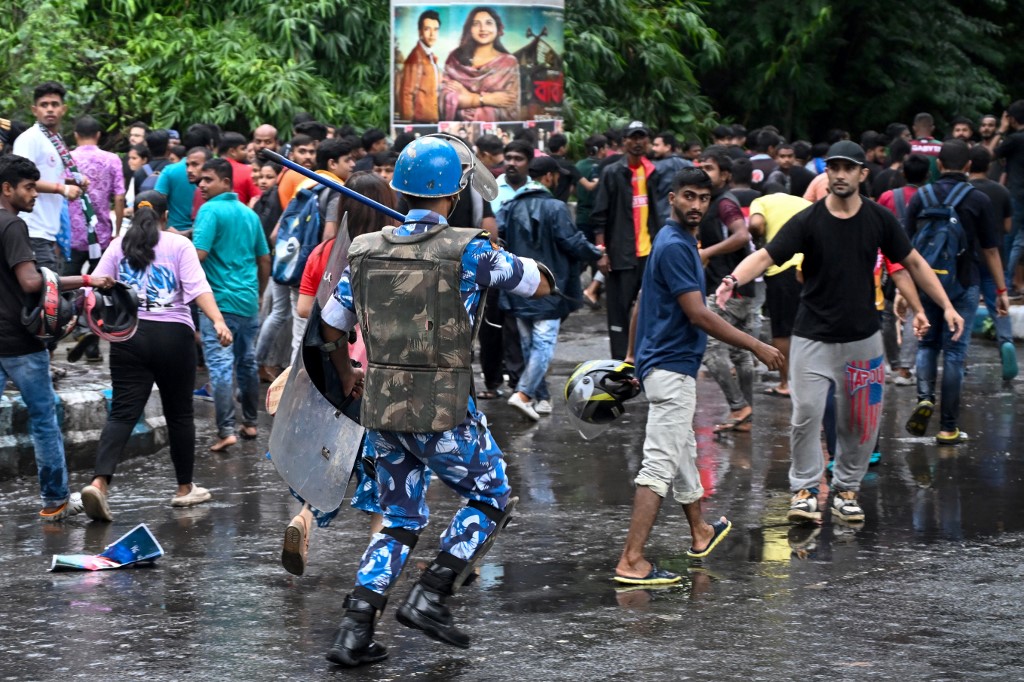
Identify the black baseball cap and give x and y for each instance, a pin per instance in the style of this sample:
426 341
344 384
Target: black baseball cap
542 165
636 127
848 151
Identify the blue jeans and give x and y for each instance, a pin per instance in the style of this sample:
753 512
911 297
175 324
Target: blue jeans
938 339
1004 325
538 339
1016 240
227 363
31 374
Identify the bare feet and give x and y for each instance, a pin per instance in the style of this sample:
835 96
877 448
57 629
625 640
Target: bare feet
223 444
249 432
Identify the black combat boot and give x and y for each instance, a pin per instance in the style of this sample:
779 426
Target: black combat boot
424 609
354 645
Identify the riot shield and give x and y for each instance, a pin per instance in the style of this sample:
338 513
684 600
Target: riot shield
314 444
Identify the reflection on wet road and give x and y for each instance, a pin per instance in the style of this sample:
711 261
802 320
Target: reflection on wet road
928 589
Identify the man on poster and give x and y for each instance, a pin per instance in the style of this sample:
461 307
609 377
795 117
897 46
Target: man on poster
421 75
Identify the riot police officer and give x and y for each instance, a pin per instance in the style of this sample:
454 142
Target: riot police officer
416 291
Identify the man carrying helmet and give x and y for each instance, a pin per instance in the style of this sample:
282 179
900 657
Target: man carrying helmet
671 323
415 292
24 330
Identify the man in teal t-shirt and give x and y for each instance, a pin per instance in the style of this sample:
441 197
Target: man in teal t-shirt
178 183
231 245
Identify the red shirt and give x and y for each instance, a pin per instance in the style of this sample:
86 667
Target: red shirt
315 266
197 202
311 275
888 201
242 183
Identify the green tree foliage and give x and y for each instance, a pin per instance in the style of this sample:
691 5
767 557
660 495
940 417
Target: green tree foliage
677 64
242 62
236 63
813 65
630 59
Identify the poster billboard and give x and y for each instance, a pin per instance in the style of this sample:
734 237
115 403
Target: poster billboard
470 68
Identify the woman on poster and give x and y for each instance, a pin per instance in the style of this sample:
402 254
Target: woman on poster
481 78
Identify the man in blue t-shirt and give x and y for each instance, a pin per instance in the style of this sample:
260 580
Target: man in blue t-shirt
178 182
671 323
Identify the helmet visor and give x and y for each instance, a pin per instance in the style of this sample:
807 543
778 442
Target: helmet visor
580 402
473 170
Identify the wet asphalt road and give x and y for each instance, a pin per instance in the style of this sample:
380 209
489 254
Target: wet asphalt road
928 589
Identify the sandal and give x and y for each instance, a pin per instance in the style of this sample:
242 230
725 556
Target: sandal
734 424
490 394
721 528
918 422
246 434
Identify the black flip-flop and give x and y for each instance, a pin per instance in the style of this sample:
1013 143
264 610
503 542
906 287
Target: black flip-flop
656 576
774 390
918 422
732 423
722 529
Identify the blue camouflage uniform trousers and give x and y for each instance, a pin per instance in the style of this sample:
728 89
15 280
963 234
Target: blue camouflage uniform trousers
469 462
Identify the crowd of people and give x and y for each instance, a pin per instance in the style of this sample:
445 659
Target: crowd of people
868 259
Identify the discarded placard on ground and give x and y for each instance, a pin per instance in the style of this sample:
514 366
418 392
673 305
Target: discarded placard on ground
136 546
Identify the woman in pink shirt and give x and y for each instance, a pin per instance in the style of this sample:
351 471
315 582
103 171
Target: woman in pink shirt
165 273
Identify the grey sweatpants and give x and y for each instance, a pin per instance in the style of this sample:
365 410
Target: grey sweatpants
857 370
721 358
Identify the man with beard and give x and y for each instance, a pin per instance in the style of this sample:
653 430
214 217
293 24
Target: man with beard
625 222
836 337
518 154
671 324
963 129
179 182
988 131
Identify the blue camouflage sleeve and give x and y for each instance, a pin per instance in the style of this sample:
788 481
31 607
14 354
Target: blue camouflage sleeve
340 311
486 266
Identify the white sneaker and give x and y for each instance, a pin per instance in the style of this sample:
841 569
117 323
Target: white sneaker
523 406
900 380
845 506
70 508
195 496
543 407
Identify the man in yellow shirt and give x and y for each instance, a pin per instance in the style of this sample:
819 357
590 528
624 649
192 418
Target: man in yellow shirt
783 284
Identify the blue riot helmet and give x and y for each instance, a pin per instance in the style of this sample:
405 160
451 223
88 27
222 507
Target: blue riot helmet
428 167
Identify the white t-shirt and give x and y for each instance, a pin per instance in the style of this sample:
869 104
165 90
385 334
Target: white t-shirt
44 220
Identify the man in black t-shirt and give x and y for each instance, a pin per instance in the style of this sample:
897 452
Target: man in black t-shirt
983 238
790 174
23 357
1011 151
1002 210
836 338
558 146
